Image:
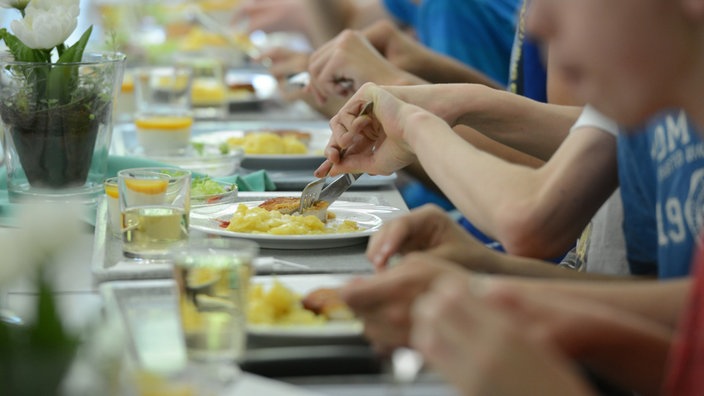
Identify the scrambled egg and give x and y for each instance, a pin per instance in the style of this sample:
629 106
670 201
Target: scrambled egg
278 306
268 143
261 221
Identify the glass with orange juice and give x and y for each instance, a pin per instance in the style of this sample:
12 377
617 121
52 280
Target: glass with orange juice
164 117
154 207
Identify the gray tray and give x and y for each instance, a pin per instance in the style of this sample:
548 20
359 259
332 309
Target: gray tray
109 264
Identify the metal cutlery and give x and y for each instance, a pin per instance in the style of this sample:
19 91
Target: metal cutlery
310 194
302 79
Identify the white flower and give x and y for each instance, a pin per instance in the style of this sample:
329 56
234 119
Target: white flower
44 231
46 23
19 4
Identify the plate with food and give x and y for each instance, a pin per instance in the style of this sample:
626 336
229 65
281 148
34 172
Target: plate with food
209 193
274 223
274 148
300 306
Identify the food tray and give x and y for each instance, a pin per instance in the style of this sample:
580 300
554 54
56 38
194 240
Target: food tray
108 263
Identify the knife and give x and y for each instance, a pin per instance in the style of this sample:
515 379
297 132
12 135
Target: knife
302 79
338 186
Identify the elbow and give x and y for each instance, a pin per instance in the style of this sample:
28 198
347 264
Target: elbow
525 231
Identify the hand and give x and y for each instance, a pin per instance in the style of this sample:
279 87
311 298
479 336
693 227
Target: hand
373 143
285 62
383 302
427 229
273 15
343 64
481 348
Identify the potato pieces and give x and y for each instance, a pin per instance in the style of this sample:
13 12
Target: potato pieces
268 144
278 306
261 221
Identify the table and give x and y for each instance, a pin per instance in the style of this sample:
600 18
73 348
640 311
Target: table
78 279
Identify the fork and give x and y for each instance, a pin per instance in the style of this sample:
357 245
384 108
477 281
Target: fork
311 192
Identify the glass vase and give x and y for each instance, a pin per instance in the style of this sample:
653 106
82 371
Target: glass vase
57 121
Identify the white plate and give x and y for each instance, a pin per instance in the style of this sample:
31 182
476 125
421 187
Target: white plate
318 140
362 213
302 285
145 303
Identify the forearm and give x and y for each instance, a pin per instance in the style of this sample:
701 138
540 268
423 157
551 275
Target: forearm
535 128
441 69
660 301
330 18
362 13
543 222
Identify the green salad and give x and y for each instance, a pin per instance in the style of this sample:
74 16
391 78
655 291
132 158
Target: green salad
206 186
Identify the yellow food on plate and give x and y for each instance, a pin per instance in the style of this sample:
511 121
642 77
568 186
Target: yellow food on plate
278 306
261 221
268 143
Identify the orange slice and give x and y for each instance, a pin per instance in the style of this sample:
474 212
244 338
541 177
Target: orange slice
127 84
151 187
164 122
111 191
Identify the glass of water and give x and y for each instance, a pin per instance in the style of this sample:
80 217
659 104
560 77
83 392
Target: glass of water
154 208
212 277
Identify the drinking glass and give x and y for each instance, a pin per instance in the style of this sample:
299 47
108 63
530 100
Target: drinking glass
208 91
113 203
155 205
164 117
212 277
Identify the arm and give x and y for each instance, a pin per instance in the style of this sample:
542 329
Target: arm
625 347
408 54
532 127
429 229
661 301
556 200
553 207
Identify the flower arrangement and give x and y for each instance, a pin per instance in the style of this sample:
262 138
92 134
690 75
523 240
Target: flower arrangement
57 100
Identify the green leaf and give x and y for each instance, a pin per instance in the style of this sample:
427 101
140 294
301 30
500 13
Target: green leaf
20 51
75 52
63 80
48 330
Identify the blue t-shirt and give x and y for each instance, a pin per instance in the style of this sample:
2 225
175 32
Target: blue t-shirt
661 171
478 33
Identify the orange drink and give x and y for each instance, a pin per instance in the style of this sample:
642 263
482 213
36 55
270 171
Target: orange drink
164 134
